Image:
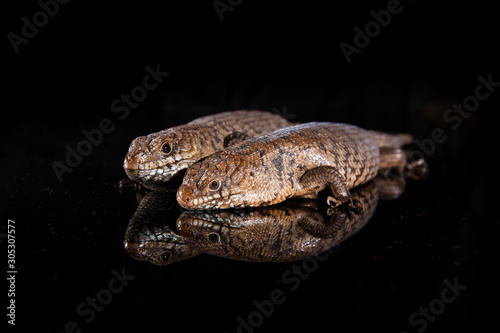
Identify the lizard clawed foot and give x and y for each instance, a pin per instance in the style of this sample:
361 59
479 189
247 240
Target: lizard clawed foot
417 169
332 201
351 205
356 206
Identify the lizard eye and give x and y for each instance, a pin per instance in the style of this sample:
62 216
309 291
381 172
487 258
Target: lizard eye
167 148
214 185
214 238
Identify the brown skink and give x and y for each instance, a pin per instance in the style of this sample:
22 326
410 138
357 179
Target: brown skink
293 162
154 159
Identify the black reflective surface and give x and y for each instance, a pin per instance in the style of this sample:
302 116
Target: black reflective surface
417 252
291 231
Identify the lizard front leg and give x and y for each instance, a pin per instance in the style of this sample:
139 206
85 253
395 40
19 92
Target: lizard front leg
315 180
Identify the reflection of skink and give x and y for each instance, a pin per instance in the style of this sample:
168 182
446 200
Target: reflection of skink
287 232
154 159
151 232
293 162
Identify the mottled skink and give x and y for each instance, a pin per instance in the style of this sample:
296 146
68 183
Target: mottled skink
293 162
290 231
154 159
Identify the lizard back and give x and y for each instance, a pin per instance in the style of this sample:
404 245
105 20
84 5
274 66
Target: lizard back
153 160
269 169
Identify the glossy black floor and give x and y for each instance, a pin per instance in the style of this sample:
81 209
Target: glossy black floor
424 262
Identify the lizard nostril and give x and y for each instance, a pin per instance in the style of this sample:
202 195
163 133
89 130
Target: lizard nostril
131 163
184 226
184 199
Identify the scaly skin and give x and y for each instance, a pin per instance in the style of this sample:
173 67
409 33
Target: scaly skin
290 231
293 162
154 159
151 234
286 232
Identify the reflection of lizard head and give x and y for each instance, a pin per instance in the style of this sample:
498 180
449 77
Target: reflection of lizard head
213 232
161 252
150 234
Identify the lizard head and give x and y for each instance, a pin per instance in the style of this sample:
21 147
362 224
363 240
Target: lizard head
216 182
154 159
160 253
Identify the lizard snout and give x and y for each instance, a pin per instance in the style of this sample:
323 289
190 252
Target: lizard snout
131 163
184 197
184 226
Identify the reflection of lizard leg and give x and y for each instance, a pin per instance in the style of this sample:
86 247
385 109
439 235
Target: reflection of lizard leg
390 188
317 179
316 226
129 187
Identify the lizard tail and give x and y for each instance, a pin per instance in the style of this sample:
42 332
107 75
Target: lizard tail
405 138
388 140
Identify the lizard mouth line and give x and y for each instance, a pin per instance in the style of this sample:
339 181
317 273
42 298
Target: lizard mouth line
146 166
213 201
206 224
160 166
200 202
145 175
162 173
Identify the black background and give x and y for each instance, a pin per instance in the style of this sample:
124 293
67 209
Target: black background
262 56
